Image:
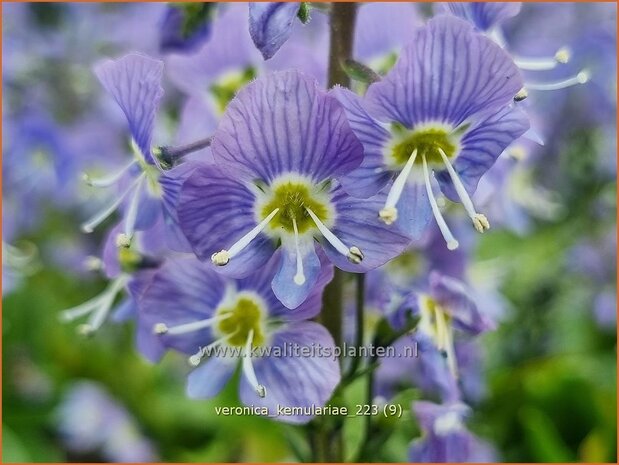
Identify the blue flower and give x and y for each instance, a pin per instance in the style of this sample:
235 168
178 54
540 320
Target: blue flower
189 307
279 152
445 306
135 83
484 15
186 26
270 24
444 108
89 420
445 437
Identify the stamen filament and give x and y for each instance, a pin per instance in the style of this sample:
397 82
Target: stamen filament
299 277
452 243
580 78
353 253
96 220
196 358
132 213
109 180
98 307
248 367
562 56
445 341
222 257
162 328
389 213
479 221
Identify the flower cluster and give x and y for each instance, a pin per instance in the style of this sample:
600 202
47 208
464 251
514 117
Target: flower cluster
243 217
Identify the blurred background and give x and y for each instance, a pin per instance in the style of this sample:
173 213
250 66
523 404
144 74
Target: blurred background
548 373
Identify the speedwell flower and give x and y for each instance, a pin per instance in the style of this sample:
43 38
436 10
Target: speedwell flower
189 307
279 151
135 83
444 108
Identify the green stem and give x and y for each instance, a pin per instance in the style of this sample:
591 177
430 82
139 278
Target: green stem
329 442
360 322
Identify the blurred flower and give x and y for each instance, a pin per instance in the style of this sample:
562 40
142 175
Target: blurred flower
135 83
89 420
445 437
457 134
274 186
270 24
187 306
186 26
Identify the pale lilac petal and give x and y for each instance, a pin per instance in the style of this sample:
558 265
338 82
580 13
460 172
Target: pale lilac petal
210 377
295 381
284 123
270 25
135 83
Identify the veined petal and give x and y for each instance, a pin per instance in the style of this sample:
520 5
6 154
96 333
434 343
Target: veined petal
135 83
284 285
182 291
448 73
262 284
270 25
357 225
283 123
481 146
215 211
171 182
414 210
453 295
484 15
295 381
369 177
210 377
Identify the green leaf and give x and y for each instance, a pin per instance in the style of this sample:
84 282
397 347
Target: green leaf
359 71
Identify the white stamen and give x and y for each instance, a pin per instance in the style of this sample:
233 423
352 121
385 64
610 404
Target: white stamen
122 240
96 220
562 56
162 328
445 341
222 257
107 181
479 221
353 253
132 212
389 213
452 243
299 277
248 367
580 78
98 307
196 358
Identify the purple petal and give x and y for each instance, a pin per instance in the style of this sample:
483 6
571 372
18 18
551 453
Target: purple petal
171 182
285 289
448 73
173 36
210 377
214 212
414 210
453 295
484 15
369 177
357 224
283 123
181 291
295 381
481 146
135 83
261 283
270 25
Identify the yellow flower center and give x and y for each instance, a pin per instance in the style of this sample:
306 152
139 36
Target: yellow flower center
244 315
